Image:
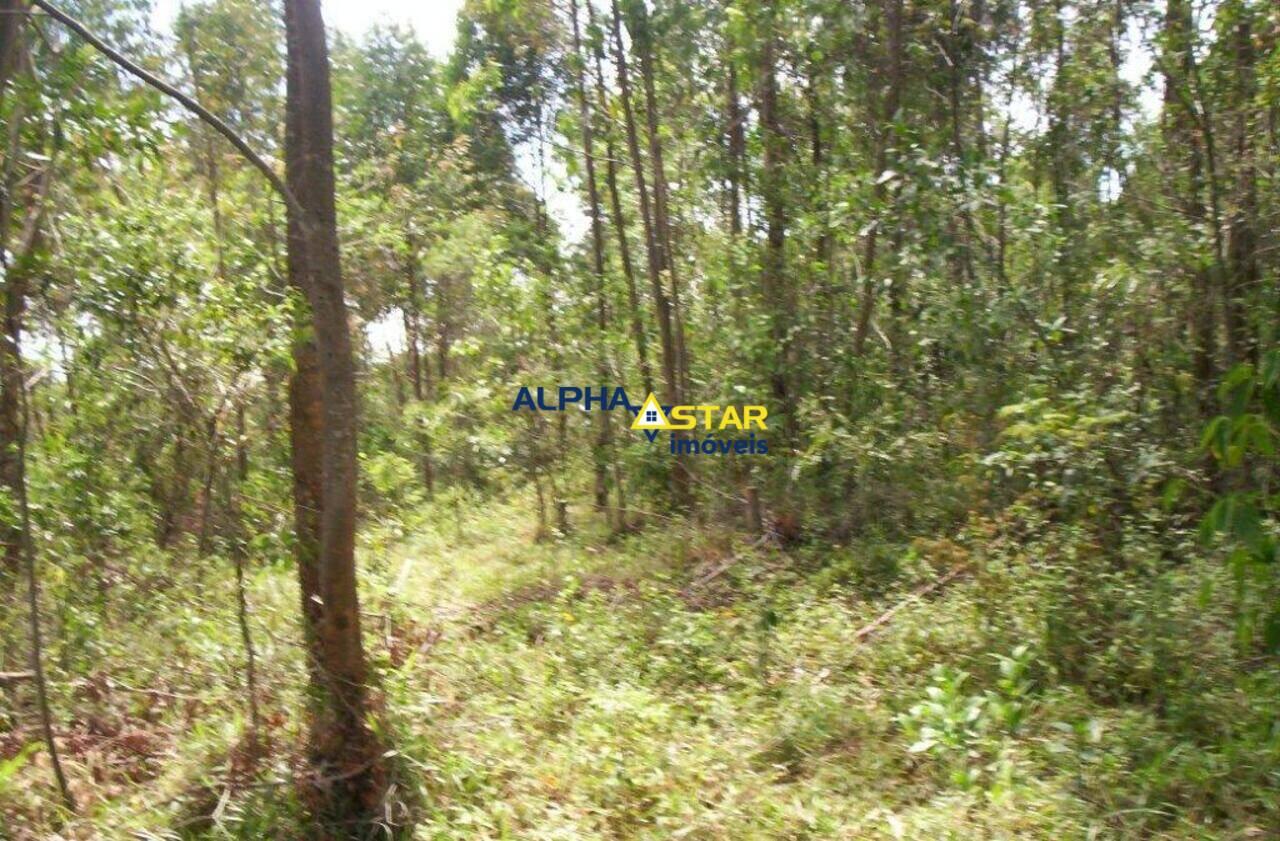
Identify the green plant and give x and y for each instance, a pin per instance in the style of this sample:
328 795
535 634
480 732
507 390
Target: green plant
1242 442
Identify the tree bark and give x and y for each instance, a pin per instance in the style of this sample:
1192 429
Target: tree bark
342 747
641 30
14 422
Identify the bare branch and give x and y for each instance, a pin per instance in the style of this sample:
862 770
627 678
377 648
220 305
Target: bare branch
186 101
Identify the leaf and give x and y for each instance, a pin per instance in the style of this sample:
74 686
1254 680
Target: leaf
1213 433
1244 521
11 766
1236 377
1271 369
1173 490
1212 521
1271 631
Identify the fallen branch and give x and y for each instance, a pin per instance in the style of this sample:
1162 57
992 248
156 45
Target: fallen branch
881 620
113 683
15 677
721 568
725 565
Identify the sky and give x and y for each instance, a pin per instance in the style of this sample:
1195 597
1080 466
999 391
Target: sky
431 19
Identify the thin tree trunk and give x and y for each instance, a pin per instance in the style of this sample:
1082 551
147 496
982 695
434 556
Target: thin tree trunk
1180 127
10 372
37 649
776 291
654 249
412 313
604 436
734 119
662 303
212 443
642 42
619 221
238 558
889 110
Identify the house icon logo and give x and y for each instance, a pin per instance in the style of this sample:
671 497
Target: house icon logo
651 418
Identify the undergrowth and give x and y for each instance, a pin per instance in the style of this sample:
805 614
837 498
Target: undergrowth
680 683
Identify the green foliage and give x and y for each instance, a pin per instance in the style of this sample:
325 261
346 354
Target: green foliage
1242 441
985 279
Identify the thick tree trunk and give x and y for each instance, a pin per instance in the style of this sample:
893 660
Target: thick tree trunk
343 749
13 19
305 447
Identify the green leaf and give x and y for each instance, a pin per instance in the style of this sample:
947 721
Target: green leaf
1244 521
1214 521
11 766
1271 631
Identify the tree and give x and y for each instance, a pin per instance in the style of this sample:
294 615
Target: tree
342 746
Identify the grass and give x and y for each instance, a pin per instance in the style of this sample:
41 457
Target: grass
678 683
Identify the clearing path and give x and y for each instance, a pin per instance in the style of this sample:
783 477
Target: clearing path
584 689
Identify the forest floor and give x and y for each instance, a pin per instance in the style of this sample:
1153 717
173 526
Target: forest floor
675 683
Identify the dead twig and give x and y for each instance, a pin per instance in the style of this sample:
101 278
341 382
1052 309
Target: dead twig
883 619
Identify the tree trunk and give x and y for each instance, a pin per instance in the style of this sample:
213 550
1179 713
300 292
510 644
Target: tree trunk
14 415
412 313
654 248
777 292
1180 128
892 100
1243 270
604 435
13 19
662 303
212 443
619 221
642 41
737 143
343 749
